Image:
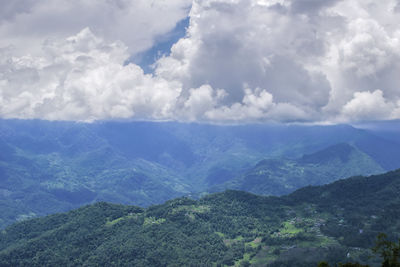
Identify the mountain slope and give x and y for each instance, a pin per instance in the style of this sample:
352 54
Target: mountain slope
335 222
283 176
48 167
53 167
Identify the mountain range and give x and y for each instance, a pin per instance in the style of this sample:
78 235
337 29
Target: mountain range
48 167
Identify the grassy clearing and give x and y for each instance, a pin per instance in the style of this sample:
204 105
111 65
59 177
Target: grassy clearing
255 243
152 221
113 222
222 235
290 229
246 257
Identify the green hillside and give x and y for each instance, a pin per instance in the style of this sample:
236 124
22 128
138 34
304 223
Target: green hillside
335 222
283 176
48 167
35 184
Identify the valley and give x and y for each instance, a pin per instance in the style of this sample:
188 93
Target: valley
210 133
48 167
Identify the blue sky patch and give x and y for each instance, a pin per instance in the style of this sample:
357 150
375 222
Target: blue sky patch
162 47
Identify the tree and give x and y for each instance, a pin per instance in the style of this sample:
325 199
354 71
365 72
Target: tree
348 264
389 251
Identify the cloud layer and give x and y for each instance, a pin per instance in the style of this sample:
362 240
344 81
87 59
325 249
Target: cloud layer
240 61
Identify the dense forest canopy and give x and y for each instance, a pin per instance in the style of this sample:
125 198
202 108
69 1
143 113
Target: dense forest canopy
335 223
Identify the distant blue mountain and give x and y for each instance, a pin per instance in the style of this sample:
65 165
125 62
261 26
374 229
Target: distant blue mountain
283 176
47 167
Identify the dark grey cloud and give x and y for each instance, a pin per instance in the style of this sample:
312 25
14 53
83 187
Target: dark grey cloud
397 6
136 23
311 6
10 9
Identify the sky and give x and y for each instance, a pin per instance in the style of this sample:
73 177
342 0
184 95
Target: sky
217 61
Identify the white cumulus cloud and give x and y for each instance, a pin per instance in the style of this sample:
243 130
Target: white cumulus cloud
368 106
240 60
82 78
136 23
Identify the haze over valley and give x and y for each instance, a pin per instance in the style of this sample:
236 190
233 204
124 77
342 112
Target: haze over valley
200 133
49 167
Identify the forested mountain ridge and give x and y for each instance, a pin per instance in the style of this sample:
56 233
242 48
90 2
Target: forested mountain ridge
335 222
48 167
283 176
